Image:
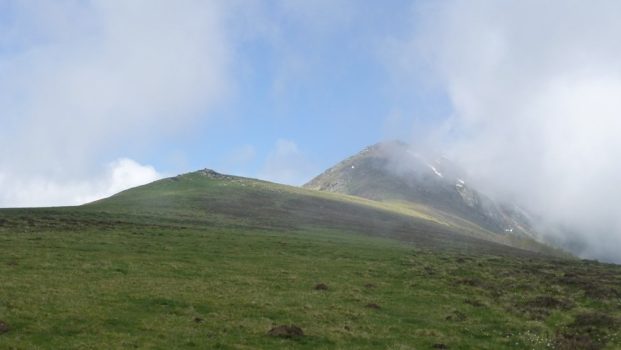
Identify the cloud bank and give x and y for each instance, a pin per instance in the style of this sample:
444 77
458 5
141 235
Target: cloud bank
38 190
535 89
82 81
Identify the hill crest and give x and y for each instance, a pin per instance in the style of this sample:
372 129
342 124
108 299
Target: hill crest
395 172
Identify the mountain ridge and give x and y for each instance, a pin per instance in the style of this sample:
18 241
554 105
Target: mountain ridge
208 196
394 172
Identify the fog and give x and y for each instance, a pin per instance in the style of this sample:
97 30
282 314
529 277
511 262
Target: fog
535 89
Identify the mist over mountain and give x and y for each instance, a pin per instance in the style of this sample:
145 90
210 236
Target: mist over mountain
395 171
534 107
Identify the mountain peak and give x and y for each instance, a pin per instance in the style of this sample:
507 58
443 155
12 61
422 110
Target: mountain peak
394 171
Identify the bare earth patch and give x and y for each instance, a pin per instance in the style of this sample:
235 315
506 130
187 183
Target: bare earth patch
321 286
286 331
4 327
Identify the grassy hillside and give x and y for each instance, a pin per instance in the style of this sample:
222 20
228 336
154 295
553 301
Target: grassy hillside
208 198
209 261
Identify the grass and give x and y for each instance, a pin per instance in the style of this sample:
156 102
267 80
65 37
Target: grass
178 265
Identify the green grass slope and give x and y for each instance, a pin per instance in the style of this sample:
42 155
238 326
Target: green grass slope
208 198
205 261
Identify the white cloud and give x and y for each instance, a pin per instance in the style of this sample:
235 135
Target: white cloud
286 164
40 191
122 174
535 90
83 81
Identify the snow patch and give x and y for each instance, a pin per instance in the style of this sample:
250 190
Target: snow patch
435 170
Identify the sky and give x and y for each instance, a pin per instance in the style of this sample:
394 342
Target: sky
97 96
102 95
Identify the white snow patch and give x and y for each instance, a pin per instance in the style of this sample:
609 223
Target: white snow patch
461 181
435 170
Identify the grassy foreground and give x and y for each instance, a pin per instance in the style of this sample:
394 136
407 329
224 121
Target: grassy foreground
119 276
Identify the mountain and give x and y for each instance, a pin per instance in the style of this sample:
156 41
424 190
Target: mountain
212 261
394 172
206 196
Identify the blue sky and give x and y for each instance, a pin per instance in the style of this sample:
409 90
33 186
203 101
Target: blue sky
328 90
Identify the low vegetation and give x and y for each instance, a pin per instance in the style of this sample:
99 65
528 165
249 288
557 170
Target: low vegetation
160 268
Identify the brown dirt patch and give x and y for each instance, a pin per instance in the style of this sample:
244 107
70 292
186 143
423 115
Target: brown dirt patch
321 286
373 306
286 331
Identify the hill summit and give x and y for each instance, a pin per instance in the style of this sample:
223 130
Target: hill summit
396 172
